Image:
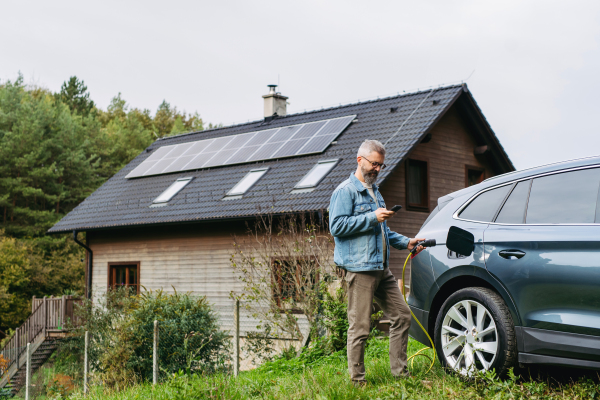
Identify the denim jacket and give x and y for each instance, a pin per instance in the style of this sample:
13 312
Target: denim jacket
354 226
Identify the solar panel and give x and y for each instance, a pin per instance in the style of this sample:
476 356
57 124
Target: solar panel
290 148
309 130
312 137
316 143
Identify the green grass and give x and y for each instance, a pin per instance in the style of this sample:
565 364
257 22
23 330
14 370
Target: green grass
327 378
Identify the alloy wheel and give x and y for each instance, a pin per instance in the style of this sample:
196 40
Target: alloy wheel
469 337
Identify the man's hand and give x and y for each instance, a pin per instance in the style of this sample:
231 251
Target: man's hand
412 243
383 214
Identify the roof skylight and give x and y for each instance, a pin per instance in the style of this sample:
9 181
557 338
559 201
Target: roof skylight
316 174
172 190
247 182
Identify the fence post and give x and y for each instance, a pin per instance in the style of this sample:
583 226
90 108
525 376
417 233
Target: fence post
63 312
155 355
28 372
236 338
45 315
17 345
85 362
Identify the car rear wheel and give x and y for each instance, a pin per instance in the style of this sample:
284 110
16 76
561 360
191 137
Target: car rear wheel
474 332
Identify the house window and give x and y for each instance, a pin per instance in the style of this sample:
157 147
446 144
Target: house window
417 186
124 274
473 175
172 190
290 277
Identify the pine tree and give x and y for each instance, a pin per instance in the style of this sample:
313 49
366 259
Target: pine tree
48 167
163 120
75 95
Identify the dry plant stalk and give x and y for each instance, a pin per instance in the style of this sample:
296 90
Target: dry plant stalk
281 262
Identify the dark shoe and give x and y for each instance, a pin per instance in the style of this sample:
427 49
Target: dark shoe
359 384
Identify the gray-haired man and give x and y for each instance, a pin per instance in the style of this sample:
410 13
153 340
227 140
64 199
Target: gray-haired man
357 215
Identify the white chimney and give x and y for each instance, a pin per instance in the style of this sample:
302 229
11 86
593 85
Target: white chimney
275 103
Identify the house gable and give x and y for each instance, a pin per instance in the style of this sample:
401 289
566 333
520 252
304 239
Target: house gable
449 151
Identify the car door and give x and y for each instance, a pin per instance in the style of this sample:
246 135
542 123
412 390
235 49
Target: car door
544 247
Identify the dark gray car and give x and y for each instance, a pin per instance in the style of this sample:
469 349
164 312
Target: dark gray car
530 290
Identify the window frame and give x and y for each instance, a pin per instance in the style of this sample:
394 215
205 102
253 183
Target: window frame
276 277
473 168
111 266
264 171
514 183
187 181
424 206
334 161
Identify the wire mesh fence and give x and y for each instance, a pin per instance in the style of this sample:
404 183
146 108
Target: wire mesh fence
158 349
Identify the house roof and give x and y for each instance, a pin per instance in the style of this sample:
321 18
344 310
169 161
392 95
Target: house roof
403 120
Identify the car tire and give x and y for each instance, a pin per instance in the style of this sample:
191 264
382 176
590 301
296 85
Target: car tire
474 330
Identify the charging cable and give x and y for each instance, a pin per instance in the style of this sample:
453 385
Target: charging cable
412 254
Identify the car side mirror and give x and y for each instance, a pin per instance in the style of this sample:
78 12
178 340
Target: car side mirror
460 241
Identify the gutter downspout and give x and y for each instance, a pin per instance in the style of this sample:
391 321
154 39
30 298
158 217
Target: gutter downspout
89 271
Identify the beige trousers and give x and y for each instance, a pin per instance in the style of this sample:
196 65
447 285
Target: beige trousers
363 287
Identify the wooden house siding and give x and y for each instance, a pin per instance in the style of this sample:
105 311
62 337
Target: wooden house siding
189 258
448 153
194 258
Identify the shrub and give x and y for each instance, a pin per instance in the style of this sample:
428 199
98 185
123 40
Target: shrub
60 386
334 317
190 338
121 330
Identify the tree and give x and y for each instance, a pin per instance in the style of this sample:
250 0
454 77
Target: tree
26 270
163 120
15 271
75 95
48 165
56 149
124 134
168 121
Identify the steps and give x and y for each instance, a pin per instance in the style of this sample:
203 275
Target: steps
42 329
38 358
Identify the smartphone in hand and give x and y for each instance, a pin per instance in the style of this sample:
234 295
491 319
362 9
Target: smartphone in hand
396 208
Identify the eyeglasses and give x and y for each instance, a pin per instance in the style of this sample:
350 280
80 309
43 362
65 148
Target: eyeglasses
375 164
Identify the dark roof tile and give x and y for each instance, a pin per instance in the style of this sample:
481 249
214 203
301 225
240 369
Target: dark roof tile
126 202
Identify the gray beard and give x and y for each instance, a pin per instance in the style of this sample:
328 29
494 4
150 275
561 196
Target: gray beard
370 177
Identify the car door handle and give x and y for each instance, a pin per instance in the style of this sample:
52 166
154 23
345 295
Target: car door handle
511 254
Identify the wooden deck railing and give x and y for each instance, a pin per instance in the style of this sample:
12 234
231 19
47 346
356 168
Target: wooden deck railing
48 313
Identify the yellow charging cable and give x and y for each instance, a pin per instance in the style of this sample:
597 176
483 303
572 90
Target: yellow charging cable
420 352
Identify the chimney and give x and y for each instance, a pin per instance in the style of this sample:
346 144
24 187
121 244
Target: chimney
275 103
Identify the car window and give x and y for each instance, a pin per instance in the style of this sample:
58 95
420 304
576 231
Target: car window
513 210
484 207
569 197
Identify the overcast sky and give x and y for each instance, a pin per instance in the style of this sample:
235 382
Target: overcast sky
533 66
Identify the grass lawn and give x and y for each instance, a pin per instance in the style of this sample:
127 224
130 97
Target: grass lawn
327 378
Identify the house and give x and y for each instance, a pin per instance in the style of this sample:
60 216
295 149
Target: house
166 220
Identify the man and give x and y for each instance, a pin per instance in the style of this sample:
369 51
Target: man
357 216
